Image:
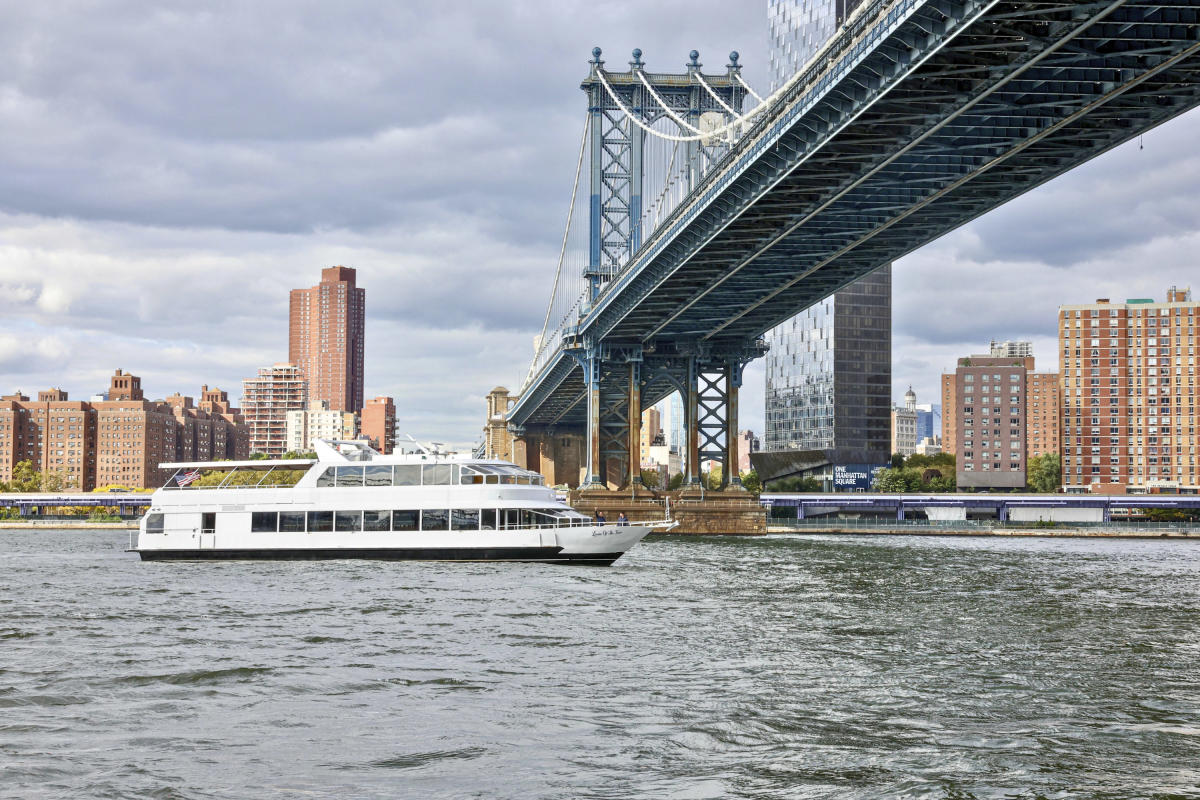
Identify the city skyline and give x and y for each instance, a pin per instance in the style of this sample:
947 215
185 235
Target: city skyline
157 217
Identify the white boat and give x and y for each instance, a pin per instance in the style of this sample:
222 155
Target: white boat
352 502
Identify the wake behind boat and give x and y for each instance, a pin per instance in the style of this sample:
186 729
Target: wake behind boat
352 502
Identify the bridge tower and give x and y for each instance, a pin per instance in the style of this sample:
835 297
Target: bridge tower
623 106
617 168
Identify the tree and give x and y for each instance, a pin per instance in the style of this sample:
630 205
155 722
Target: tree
650 478
25 478
1044 473
897 461
712 479
676 481
796 484
751 482
52 481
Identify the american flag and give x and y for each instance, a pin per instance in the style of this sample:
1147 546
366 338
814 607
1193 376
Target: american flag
187 477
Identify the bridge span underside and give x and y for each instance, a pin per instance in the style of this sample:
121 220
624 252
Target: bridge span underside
921 116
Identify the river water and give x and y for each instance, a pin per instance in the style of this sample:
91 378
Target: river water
780 667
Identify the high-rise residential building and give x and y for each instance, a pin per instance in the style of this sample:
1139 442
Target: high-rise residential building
651 430
748 443
1128 395
997 400
949 414
326 327
304 427
266 399
1042 407
904 425
379 424
829 367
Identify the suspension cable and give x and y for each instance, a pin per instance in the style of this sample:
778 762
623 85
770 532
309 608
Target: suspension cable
717 97
746 86
678 119
587 123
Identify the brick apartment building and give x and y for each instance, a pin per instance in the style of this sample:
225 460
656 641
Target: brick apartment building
997 414
1129 388
120 440
326 328
378 423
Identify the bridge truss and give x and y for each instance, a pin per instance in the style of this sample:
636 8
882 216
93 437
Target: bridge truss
919 116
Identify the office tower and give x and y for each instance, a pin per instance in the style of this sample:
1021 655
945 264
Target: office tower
1128 395
266 399
929 421
325 338
829 375
378 423
799 28
829 367
904 425
993 400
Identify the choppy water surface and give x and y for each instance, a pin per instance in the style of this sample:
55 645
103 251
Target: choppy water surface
700 668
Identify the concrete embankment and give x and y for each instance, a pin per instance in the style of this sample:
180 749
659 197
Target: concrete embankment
1110 533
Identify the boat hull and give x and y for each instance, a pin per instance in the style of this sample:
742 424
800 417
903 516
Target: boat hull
554 555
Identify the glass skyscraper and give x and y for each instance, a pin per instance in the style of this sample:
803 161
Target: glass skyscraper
829 368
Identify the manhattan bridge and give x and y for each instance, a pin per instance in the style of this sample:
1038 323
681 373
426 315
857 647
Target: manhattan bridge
710 214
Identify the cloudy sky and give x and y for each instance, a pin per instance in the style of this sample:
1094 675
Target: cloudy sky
169 170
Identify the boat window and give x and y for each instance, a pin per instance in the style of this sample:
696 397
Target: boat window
407 475
470 476
493 478
320 521
406 520
264 521
487 519
465 519
508 478
512 517
377 520
523 480
326 478
438 474
291 522
154 523
347 521
349 476
379 475
435 519
526 518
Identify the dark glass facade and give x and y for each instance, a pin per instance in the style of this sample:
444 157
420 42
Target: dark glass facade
829 374
829 370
